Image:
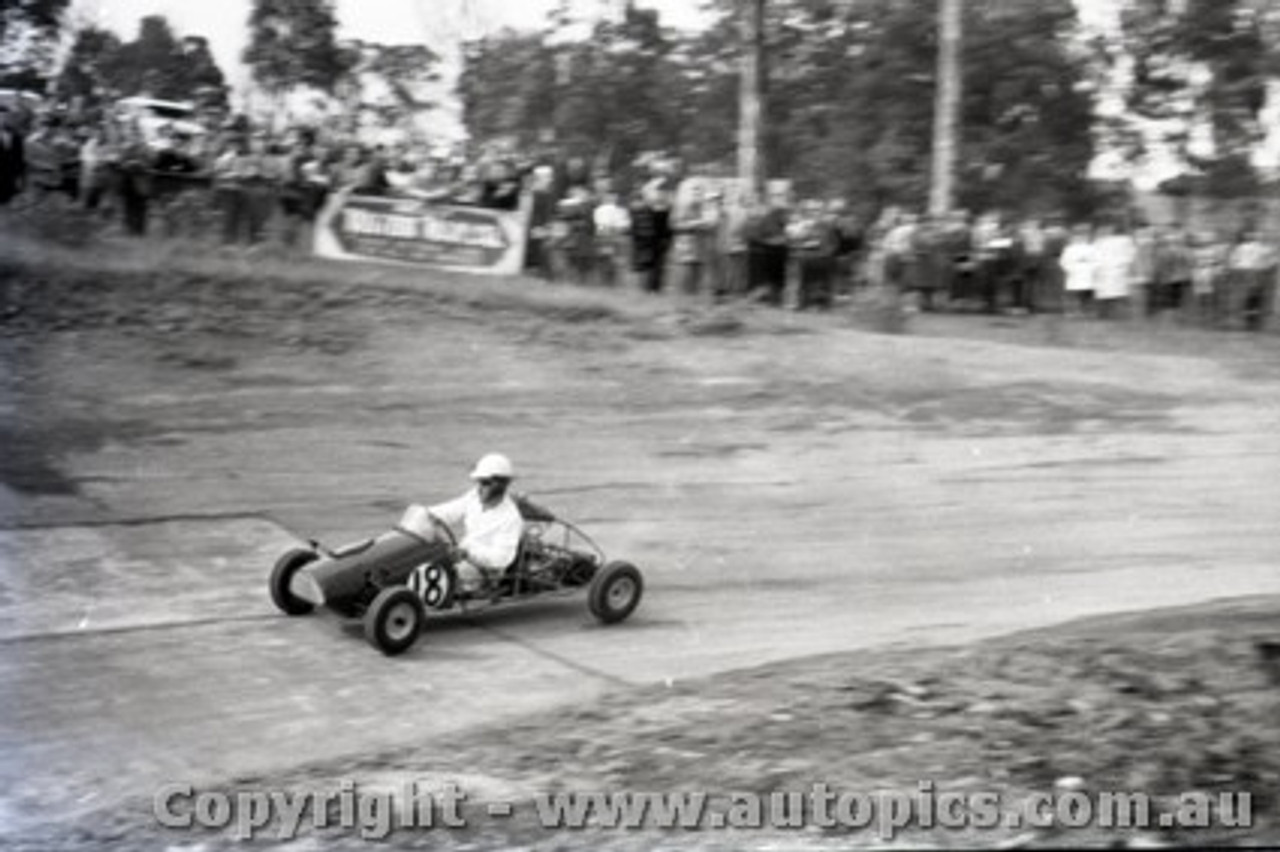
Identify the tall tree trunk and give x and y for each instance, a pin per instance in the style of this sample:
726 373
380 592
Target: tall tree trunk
946 118
751 96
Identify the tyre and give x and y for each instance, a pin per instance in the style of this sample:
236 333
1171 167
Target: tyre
281 578
615 592
392 622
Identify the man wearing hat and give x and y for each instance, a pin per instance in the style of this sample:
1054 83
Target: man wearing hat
486 522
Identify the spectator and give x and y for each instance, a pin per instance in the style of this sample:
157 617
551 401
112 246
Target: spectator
1251 285
995 259
1209 257
12 157
816 242
1079 268
1055 240
1114 253
900 247
612 227
1031 251
501 186
371 176
934 263
97 164
1172 281
692 225
349 171
297 193
134 184
576 245
768 253
876 264
716 272
241 175
849 245
1142 285
542 211
730 244
650 235
260 173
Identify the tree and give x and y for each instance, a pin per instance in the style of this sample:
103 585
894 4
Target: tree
1200 70
28 33
848 108
391 82
156 63
607 90
91 55
850 104
201 77
148 64
946 112
751 92
292 43
507 87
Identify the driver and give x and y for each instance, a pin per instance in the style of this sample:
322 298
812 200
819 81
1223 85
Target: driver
486 522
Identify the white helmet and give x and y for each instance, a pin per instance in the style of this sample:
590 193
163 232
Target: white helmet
493 466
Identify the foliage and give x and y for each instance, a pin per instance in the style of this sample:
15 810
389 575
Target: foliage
157 63
28 32
91 56
292 43
849 106
391 82
609 94
1203 61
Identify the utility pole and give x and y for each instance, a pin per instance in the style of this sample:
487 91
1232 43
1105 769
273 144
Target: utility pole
946 114
750 97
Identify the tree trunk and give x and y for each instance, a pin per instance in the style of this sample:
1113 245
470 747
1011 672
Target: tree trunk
946 118
751 96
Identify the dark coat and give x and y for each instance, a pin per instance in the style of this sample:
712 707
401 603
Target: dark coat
13 166
650 236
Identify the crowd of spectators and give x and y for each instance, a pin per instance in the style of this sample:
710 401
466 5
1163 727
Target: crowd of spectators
654 228
255 181
807 254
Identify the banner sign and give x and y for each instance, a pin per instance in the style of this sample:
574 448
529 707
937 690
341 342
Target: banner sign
424 233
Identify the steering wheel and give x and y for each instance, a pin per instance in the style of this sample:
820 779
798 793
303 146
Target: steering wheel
443 528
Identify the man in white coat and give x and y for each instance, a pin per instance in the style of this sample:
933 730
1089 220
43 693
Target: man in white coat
1114 255
486 522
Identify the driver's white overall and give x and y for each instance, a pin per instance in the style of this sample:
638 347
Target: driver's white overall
490 536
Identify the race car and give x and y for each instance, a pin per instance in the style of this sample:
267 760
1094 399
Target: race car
394 580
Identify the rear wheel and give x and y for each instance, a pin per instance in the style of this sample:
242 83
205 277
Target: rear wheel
615 592
392 622
282 577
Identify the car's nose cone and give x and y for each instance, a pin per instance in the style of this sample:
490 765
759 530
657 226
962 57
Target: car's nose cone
305 586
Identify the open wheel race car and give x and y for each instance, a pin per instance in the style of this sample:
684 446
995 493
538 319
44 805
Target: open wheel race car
394 580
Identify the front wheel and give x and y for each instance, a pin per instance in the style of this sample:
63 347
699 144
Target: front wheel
282 577
615 592
392 622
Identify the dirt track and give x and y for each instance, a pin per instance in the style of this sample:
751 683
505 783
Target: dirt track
797 489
